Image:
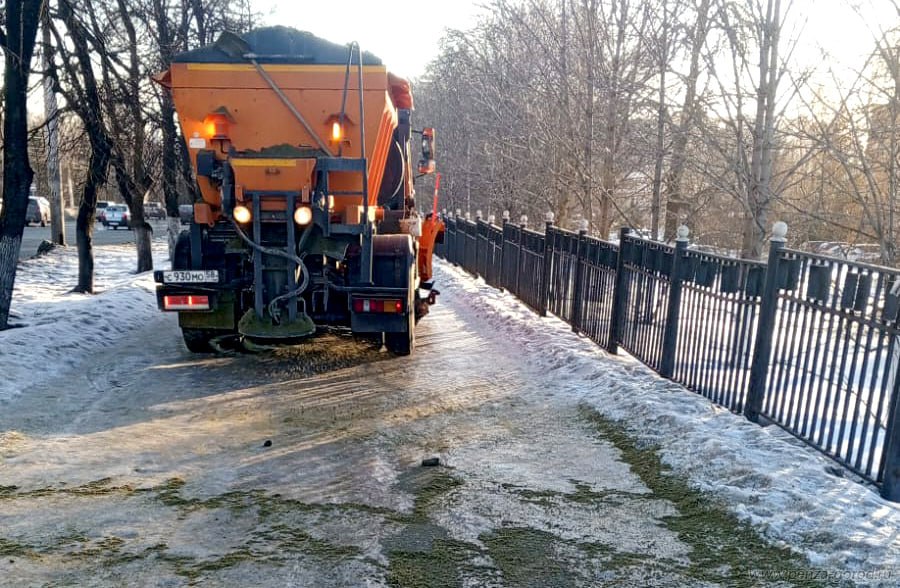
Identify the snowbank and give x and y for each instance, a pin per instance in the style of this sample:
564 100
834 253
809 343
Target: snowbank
793 494
61 329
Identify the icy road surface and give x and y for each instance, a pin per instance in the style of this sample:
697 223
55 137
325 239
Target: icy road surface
302 467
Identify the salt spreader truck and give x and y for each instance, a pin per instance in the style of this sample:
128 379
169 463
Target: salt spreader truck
302 154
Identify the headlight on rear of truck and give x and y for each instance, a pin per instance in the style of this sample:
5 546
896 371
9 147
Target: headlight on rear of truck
303 215
242 214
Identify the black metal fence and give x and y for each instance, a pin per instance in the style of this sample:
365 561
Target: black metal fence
806 342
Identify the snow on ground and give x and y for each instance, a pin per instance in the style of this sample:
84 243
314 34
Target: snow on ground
790 492
61 329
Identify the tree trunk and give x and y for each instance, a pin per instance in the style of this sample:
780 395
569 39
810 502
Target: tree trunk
137 183
759 195
170 166
84 238
91 114
84 226
675 201
57 218
663 61
587 176
143 232
22 18
143 237
70 184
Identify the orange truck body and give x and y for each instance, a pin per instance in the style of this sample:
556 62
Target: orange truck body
282 126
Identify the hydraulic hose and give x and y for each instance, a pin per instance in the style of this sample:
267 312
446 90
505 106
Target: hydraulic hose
274 312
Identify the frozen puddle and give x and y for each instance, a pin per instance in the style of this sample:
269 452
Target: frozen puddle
160 474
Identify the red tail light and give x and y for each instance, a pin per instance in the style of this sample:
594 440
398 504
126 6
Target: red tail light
192 302
377 305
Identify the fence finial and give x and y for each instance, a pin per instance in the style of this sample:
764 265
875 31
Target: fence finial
468 215
549 217
779 231
478 214
491 219
458 212
505 215
523 220
683 233
584 225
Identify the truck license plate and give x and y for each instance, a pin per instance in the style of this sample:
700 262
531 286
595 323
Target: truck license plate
191 277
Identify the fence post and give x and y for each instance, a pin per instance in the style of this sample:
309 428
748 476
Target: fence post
478 245
449 237
620 294
670 334
548 260
457 219
890 484
523 224
765 327
503 261
577 300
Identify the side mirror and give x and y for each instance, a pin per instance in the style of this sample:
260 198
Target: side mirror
426 164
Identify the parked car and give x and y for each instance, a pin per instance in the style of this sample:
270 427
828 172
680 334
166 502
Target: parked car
154 210
38 211
865 252
186 212
116 215
101 210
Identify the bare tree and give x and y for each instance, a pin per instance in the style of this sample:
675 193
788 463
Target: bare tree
82 93
51 114
675 199
17 40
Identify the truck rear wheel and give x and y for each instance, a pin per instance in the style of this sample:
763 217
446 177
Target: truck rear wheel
197 340
402 343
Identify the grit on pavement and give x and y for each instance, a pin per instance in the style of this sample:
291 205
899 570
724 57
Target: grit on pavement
303 467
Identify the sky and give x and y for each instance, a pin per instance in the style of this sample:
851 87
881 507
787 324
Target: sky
405 33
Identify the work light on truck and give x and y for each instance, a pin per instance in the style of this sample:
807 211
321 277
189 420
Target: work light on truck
216 126
303 215
242 214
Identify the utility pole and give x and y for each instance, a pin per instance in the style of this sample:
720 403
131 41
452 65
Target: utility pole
71 187
57 218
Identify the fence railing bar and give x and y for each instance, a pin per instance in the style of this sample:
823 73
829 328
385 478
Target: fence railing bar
862 372
823 390
809 332
781 356
858 404
836 387
875 383
799 366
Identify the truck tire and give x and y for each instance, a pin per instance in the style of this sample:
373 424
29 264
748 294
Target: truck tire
197 340
404 342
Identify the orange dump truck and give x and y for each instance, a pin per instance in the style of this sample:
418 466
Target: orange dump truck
302 151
